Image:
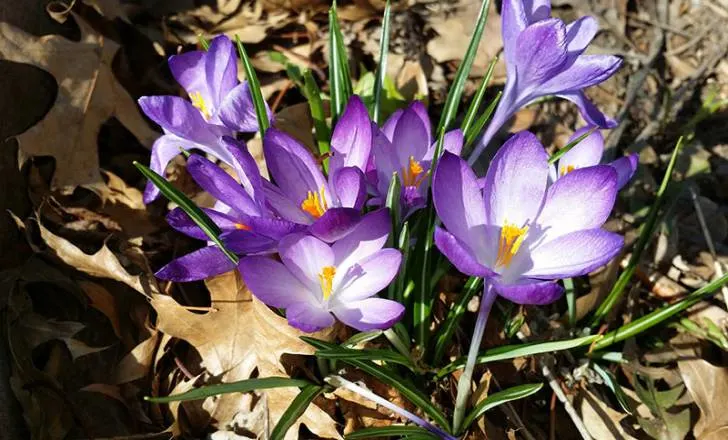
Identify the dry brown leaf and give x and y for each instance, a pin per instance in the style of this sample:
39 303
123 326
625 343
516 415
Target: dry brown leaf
88 95
600 419
138 362
708 386
37 330
104 302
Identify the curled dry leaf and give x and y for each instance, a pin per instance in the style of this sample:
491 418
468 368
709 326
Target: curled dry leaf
708 386
137 363
602 422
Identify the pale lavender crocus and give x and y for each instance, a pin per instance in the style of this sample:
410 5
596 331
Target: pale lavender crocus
316 281
517 231
544 56
300 193
404 145
588 153
219 105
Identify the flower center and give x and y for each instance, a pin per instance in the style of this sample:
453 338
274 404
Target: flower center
566 170
315 203
199 103
511 238
326 278
242 227
413 174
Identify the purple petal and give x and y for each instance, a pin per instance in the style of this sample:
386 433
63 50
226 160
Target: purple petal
350 187
274 227
351 141
411 137
541 53
283 206
246 168
370 314
244 242
582 199
221 185
179 117
180 221
419 108
514 21
308 317
189 71
589 112
459 254
452 142
391 123
305 256
580 33
335 223
537 10
271 282
625 168
515 183
221 69
459 202
237 111
203 263
164 150
587 70
367 238
585 154
574 254
366 277
386 161
529 291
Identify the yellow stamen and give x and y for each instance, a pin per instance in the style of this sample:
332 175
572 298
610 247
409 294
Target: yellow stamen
567 169
511 239
199 103
326 278
242 227
413 175
315 203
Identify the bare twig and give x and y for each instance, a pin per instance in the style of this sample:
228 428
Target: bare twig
570 410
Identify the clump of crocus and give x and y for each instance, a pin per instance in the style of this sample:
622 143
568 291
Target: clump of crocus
519 232
219 105
404 145
316 281
544 56
588 153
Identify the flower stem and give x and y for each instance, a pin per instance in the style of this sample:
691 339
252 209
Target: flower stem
464 388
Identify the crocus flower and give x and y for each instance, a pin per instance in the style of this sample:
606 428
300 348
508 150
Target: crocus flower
519 232
588 153
404 145
219 106
314 279
247 226
544 56
301 194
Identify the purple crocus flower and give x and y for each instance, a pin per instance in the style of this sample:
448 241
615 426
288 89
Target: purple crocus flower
404 145
588 153
301 194
314 279
544 56
219 106
247 226
519 232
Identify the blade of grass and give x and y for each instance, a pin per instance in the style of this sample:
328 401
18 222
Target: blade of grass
313 95
613 385
295 410
499 398
391 431
243 386
446 331
645 235
404 248
196 214
370 354
476 129
203 42
556 156
254 85
339 77
570 294
393 203
478 98
382 66
362 337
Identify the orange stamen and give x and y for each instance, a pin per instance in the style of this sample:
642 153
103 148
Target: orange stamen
315 203
199 103
566 170
242 227
511 239
326 278
413 174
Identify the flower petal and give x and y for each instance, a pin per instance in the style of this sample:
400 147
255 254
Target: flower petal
514 21
529 291
221 69
586 153
351 141
308 317
305 256
459 254
276 228
411 137
579 33
189 70
237 110
335 223
180 221
246 168
574 254
221 185
283 206
586 71
271 282
541 53
350 187
248 242
391 123
366 277
370 314
589 112
165 149
452 142
386 161
198 265
367 238
179 117
625 168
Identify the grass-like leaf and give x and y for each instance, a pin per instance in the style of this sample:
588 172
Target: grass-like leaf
514 351
658 316
254 85
392 202
556 156
570 294
477 128
645 235
313 95
243 386
188 206
392 431
613 385
295 410
499 398
365 355
382 66
389 377
339 77
478 98
361 338
203 42
404 248
461 75
446 331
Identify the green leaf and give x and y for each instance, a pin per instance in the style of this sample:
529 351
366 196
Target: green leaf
389 377
203 42
393 203
658 316
254 85
382 66
391 431
313 95
362 337
556 156
478 98
404 248
475 130
196 214
570 294
645 235
243 386
514 351
447 330
461 75
295 410
501 397
613 385
367 354
339 76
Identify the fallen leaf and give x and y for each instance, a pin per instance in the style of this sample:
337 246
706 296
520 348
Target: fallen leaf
137 363
708 386
602 422
104 302
38 330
